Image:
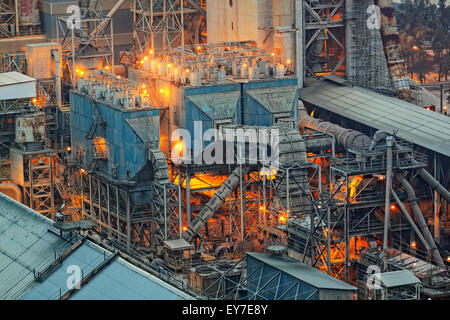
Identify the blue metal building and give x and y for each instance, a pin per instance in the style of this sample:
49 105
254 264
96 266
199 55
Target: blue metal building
126 133
279 277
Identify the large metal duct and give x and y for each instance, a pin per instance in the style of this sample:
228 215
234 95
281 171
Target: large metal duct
347 137
387 205
434 184
421 220
392 49
11 190
215 203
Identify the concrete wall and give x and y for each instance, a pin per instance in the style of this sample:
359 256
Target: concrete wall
273 27
232 20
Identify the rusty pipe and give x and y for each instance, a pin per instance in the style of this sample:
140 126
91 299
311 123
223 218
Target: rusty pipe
392 49
11 190
421 221
347 137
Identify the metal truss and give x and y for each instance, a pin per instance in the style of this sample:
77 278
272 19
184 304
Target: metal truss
8 17
244 207
89 47
350 209
38 188
258 283
324 24
160 25
122 214
13 61
166 212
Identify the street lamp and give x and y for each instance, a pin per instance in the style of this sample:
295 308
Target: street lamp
416 48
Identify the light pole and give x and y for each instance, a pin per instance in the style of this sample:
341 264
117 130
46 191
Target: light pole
416 48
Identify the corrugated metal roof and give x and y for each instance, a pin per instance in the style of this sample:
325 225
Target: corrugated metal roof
398 278
86 257
25 244
301 271
415 124
146 128
119 280
132 284
275 100
12 78
218 105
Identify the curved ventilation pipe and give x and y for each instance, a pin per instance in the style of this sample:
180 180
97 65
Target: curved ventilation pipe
347 137
377 137
215 203
421 221
12 191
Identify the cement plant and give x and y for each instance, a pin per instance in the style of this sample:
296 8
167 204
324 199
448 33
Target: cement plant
224 150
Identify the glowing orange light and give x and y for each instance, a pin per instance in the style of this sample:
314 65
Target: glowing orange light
245 65
34 100
414 244
169 66
199 48
392 207
82 73
288 61
69 149
142 61
145 58
381 178
448 259
143 86
145 91
107 68
185 228
161 90
282 219
83 171
151 51
187 70
118 77
273 54
77 70
179 146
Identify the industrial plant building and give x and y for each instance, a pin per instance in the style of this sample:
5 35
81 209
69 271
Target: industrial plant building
217 149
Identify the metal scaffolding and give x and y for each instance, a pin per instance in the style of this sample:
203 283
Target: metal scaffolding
161 25
325 51
89 45
351 209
